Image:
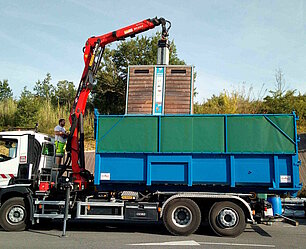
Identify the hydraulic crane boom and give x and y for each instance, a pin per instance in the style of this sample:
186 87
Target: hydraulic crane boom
93 52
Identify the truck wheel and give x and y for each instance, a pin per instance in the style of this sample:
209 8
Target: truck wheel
182 216
227 219
13 215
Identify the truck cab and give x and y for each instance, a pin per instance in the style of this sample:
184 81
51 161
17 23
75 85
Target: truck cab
23 154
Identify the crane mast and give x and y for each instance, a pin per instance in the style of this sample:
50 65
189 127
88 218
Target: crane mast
93 53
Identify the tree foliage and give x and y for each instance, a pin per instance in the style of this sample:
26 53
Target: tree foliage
44 89
281 100
64 93
5 90
44 105
27 109
8 110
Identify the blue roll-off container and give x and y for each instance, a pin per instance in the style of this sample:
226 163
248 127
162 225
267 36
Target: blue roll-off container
226 152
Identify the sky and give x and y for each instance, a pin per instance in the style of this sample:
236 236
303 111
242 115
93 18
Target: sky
232 44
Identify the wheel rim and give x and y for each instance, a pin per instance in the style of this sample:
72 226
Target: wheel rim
228 218
16 215
181 216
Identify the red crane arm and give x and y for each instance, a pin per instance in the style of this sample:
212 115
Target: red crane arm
93 52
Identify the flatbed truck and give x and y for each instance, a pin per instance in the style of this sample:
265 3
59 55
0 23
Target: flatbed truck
180 169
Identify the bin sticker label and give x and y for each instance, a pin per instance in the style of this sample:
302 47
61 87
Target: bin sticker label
159 88
105 177
285 179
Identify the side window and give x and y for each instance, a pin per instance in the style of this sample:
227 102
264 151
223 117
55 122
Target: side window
48 149
8 149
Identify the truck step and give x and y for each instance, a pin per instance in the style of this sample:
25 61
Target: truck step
51 216
53 203
41 193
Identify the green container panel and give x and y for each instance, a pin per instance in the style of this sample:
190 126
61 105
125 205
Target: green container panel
285 123
256 134
128 134
192 134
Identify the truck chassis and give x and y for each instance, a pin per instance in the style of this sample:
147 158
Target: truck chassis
180 212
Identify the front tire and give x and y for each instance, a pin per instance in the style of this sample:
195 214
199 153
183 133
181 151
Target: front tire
13 215
227 219
182 216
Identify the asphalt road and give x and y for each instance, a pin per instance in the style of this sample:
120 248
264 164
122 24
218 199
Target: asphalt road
88 235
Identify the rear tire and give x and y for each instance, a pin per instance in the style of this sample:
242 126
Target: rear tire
182 216
227 219
14 215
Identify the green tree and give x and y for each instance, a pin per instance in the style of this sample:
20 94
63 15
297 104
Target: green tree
27 109
44 89
64 93
5 90
109 92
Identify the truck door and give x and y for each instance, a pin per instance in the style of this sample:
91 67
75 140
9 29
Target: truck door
28 169
47 160
9 159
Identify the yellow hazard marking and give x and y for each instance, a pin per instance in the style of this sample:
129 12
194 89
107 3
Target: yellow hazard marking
91 60
127 197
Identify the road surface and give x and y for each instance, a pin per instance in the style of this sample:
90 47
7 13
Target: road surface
87 235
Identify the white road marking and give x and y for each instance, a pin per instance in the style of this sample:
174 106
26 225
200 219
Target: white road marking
235 244
194 243
170 243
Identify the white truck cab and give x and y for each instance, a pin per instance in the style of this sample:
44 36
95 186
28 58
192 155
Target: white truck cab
23 154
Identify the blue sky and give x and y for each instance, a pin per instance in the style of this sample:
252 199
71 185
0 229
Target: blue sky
228 42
